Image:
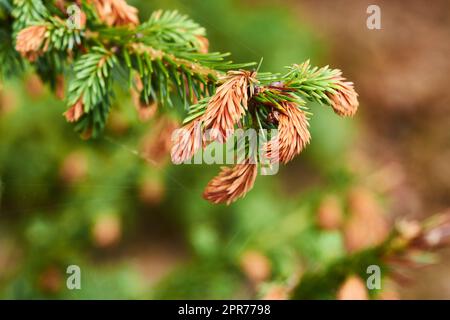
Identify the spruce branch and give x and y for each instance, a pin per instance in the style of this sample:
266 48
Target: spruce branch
162 60
170 27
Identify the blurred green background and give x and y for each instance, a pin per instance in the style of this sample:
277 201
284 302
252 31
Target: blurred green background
143 231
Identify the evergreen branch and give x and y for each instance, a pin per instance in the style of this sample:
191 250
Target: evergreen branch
312 83
174 62
159 72
92 78
163 58
61 37
170 27
165 53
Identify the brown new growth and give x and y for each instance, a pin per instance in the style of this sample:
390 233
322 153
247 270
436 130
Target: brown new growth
229 104
116 12
293 135
345 99
231 183
186 142
29 41
75 112
224 110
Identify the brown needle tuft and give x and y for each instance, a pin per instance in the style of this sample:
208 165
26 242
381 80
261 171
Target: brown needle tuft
29 41
293 135
75 112
231 183
229 104
116 12
345 99
186 142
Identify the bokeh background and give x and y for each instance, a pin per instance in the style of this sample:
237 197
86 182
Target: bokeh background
141 229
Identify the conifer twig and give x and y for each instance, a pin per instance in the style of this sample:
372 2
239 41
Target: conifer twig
163 60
